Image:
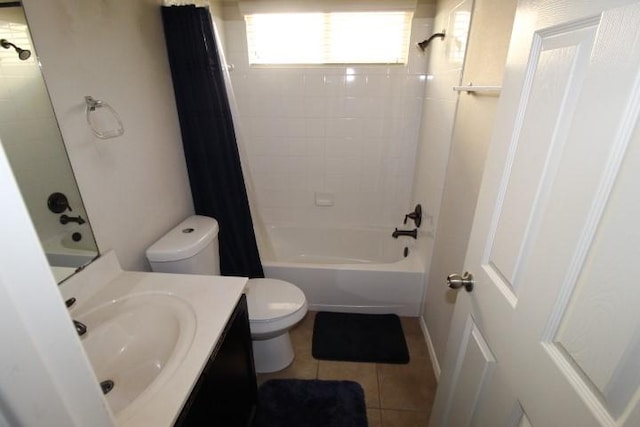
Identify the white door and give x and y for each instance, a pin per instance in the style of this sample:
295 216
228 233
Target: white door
550 334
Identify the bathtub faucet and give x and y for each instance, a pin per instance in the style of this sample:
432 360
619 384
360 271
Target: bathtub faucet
81 328
65 219
411 233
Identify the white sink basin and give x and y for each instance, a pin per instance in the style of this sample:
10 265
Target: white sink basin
137 342
151 333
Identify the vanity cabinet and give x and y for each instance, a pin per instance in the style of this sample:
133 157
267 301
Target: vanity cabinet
225 395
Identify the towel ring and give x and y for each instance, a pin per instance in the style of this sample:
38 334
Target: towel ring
92 105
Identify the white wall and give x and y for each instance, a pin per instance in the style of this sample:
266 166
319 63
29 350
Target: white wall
444 71
134 187
347 131
474 118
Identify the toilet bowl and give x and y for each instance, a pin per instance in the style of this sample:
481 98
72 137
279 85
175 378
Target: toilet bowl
274 305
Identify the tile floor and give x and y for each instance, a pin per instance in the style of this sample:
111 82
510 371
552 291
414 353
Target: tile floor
396 395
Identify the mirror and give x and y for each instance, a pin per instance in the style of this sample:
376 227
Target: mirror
32 141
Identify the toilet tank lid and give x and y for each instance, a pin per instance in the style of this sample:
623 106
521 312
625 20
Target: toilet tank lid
184 240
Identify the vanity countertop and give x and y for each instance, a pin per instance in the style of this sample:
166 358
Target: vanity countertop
213 299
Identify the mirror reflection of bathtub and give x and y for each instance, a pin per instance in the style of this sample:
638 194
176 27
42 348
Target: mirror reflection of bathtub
32 141
63 251
348 270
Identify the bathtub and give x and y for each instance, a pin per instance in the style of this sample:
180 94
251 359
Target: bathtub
62 251
348 270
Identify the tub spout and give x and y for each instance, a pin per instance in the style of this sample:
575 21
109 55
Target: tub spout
411 233
65 219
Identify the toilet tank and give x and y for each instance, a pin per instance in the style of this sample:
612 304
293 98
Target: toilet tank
191 247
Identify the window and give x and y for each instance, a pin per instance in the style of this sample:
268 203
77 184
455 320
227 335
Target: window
329 38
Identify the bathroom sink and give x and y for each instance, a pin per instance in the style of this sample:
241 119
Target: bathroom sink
137 342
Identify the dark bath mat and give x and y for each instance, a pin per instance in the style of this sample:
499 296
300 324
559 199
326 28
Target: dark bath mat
359 338
310 403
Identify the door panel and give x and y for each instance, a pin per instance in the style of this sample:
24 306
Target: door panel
603 301
473 371
555 236
556 73
524 421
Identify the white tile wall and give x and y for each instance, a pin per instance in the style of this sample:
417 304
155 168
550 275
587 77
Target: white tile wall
350 131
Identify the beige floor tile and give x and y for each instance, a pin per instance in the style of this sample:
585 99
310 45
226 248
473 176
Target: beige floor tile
302 335
304 328
363 373
414 337
392 418
411 325
303 368
374 418
409 387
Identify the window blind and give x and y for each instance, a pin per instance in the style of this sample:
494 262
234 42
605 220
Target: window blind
329 38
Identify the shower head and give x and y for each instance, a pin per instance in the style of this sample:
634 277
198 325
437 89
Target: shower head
424 43
23 54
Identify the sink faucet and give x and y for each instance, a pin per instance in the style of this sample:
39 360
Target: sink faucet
411 233
64 219
81 328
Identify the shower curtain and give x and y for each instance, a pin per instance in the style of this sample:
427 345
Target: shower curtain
208 136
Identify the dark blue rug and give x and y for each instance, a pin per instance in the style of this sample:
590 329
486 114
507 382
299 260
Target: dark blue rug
310 403
351 337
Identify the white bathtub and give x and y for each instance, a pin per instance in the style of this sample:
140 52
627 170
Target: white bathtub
348 270
62 251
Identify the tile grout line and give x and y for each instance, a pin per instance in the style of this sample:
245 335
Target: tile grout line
379 393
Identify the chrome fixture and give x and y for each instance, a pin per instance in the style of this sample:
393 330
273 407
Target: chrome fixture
456 281
416 215
81 328
424 43
92 106
411 233
65 219
23 54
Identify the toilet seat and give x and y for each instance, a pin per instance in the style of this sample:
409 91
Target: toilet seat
274 305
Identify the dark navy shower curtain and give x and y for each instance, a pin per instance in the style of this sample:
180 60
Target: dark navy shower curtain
209 141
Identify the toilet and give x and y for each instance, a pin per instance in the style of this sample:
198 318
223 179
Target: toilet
275 306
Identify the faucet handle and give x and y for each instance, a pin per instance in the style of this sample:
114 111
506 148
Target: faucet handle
416 215
81 328
65 219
